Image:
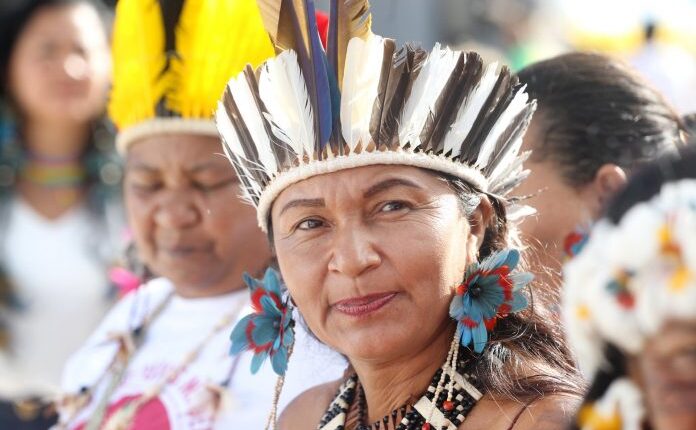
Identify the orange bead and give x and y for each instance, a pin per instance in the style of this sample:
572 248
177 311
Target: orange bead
448 405
426 426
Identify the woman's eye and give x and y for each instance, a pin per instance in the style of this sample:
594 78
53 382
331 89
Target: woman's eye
310 224
214 185
145 187
393 206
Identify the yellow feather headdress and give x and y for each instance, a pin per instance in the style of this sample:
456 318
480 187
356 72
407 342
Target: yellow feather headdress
174 89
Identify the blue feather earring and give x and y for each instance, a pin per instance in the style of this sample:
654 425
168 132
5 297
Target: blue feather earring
490 290
269 332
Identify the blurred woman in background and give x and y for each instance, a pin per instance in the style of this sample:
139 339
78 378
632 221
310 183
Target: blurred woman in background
630 304
597 120
59 210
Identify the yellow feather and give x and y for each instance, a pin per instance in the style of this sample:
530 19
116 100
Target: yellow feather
139 60
215 40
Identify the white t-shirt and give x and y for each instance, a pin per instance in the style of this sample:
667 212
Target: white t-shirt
178 328
63 287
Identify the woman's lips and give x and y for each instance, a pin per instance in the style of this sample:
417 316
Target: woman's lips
360 306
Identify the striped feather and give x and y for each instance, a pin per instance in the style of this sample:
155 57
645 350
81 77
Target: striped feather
254 122
469 112
283 90
424 93
348 19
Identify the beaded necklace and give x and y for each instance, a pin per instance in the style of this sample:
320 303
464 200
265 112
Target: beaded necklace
447 414
122 418
54 173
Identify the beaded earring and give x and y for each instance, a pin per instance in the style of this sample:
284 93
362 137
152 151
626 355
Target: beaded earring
268 332
488 291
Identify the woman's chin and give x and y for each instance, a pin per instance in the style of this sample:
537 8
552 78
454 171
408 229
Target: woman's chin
373 341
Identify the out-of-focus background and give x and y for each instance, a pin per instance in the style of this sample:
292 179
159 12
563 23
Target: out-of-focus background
657 37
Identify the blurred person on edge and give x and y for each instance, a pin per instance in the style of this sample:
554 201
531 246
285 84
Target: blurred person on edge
60 210
629 304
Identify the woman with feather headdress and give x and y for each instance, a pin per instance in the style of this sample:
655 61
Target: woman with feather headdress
159 360
382 178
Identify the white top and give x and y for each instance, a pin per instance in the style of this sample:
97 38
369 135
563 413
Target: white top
174 332
62 284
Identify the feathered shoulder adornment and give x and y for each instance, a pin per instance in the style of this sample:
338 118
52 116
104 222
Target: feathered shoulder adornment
365 101
172 59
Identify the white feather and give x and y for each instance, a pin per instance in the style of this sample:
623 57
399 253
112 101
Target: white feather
507 174
359 90
284 92
425 92
469 111
228 132
518 103
232 147
253 120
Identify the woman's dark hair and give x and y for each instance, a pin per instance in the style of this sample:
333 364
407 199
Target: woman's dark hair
595 110
690 128
649 180
527 356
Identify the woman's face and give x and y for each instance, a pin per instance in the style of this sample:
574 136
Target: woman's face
189 224
59 69
371 256
667 370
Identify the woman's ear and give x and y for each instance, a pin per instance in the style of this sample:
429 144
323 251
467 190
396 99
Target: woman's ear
479 221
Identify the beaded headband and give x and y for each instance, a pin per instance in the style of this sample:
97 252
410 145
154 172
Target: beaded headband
364 102
628 279
172 59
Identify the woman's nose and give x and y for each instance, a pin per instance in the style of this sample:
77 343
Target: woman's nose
177 212
353 253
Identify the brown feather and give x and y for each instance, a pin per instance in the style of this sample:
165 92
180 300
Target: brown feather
513 132
350 19
473 68
378 107
404 68
284 155
245 138
446 105
495 104
277 16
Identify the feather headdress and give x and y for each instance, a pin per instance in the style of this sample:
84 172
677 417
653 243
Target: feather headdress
172 59
363 102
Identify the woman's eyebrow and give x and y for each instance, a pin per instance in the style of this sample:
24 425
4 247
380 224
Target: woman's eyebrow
207 165
387 184
312 203
139 165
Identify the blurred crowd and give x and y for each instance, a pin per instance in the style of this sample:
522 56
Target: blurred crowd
615 90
